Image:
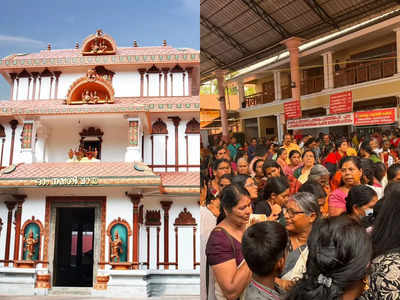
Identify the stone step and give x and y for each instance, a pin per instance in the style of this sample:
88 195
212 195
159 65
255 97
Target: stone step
78 291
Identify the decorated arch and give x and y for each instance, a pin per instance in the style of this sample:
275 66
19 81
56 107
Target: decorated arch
91 89
119 229
99 44
32 234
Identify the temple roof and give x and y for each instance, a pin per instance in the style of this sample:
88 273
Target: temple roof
121 105
92 174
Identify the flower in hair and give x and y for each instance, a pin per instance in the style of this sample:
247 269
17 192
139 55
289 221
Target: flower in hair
326 281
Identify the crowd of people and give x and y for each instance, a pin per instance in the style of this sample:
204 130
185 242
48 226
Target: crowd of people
308 218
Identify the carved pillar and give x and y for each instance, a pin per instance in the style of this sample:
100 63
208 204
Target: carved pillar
16 95
51 86
57 75
29 87
176 121
172 84
35 77
133 149
13 77
20 199
141 71
166 205
190 79
13 124
135 198
328 70
183 83
40 86
10 205
165 72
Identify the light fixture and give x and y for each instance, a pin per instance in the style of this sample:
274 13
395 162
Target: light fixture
292 84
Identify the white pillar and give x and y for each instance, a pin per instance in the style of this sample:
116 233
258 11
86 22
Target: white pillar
277 85
397 30
40 147
328 70
279 127
326 79
258 127
240 86
134 149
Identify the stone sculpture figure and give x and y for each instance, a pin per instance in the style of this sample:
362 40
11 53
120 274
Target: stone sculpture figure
86 96
30 244
116 247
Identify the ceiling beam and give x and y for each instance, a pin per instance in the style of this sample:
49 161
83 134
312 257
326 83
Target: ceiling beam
267 18
212 57
223 35
321 13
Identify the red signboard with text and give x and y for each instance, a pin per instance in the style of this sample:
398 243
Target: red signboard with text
341 103
292 110
323 121
375 117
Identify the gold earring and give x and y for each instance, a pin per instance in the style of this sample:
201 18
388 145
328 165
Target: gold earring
366 283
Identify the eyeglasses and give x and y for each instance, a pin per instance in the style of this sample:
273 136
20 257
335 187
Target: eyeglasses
291 213
250 184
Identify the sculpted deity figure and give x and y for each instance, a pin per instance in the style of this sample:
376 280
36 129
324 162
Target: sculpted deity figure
116 247
86 96
30 244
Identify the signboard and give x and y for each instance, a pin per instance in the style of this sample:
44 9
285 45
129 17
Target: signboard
65 181
323 121
375 117
341 103
292 110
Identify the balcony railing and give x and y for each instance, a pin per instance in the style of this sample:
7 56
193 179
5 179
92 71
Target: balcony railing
365 72
313 84
286 91
259 98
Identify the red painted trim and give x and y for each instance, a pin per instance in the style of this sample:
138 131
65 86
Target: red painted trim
10 206
166 205
18 214
13 124
135 199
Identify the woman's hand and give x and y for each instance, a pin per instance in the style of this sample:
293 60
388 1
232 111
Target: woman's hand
275 212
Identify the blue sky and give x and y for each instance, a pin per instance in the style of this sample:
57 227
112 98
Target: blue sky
27 26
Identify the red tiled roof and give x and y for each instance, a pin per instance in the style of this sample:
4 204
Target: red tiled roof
180 179
58 53
83 169
124 105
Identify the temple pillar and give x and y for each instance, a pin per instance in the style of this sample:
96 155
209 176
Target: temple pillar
51 87
224 115
10 206
35 76
142 71
176 121
133 151
135 198
277 85
147 85
57 75
165 73
13 124
190 80
166 205
183 83
172 84
20 200
42 134
13 76
159 84
27 141
293 44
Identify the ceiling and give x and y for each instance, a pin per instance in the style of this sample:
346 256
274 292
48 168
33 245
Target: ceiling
237 33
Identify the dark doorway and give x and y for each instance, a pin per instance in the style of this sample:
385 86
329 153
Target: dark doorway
73 254
92 146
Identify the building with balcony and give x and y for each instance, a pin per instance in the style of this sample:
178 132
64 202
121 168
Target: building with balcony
99 177
362 62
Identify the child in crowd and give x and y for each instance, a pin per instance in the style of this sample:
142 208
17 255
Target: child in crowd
264 249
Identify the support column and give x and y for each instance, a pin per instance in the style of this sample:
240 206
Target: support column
293 44
20 200
16 95
159 84
13 77
29 87
328 70
183 83
147 86
397 30
133 150
224 115
13 124
277 85
172 83
35 76
176 121
10 206
142 71
165 72
190 80
57 75
241 93
2 150
51 86
135 199
166 205
259 127
40 86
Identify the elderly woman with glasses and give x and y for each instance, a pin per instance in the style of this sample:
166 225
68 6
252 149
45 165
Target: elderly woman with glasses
301 211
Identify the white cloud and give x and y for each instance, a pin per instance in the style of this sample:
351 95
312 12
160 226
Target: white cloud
7 39
191 5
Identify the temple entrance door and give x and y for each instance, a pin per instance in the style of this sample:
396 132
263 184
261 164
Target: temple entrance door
73 254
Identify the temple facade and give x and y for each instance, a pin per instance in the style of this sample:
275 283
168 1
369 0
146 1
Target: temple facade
99 182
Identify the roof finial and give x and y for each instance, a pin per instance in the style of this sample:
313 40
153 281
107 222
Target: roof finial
77 45
164 43
135 44
99 32
49 46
